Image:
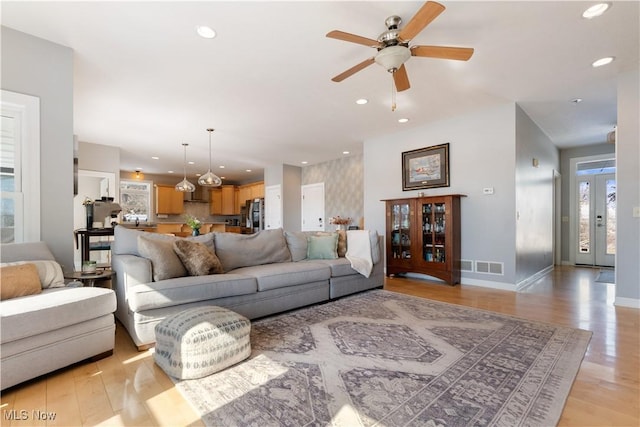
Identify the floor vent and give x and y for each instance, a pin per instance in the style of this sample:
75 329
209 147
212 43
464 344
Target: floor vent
466 265
489 267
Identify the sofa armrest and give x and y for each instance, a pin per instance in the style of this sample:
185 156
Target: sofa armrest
131 270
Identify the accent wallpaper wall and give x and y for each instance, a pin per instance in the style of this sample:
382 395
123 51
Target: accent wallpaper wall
343 187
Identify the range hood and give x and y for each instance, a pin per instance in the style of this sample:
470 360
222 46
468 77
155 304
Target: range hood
201 195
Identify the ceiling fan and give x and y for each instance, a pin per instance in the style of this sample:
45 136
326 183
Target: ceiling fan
393 46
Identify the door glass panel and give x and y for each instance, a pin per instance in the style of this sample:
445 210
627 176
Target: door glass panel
427 232
400 235
433 232
611 216
584 221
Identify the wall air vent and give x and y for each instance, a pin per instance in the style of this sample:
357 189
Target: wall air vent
466 265
489 267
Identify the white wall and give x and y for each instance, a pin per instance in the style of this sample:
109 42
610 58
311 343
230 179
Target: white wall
628 181
290 180
534 199
482 154
37 67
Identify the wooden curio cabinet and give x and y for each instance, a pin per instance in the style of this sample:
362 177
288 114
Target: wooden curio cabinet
423 236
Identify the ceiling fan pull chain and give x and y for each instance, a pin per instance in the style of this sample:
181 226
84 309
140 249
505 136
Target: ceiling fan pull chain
393 94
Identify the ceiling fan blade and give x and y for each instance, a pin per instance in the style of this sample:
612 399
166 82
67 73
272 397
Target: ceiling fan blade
401 79
443 52
364 64
347 37
427 13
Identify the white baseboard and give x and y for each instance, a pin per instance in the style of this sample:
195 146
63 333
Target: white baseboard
529 280
627 302
489 284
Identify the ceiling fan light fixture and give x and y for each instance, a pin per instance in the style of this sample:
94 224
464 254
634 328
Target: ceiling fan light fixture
391 58
210 179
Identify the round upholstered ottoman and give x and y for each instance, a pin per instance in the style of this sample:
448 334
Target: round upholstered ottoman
201 341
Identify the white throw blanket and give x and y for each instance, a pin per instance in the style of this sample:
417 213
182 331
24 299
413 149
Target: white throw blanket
359 251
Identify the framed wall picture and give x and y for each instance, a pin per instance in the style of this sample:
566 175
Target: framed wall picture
425 167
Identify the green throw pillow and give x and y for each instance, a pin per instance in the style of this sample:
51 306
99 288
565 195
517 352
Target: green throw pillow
322 247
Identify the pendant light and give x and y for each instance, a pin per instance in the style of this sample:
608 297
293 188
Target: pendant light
185 186
210 179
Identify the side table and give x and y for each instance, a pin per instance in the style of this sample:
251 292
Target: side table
90 279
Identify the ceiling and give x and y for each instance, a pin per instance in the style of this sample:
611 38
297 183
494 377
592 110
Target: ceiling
145 82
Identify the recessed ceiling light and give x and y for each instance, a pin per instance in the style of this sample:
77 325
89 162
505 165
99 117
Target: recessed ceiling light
191 162
304 162
576 101
596 10
603 61
403 120
223 177
362 101
346 152
155 157
198 174
221 166
206 32
170 172
248 170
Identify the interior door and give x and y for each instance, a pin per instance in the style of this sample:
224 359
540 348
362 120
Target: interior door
273 207
313 207
596 243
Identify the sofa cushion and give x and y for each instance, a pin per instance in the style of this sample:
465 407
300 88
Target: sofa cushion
272 276
184 290
52 309
322 247
29 251
164 261
197 258
18 281
242 250
126 240
339 266
297 244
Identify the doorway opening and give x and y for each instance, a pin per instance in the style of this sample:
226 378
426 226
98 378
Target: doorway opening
595 213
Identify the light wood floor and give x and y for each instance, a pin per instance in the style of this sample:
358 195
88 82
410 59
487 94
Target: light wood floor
128 389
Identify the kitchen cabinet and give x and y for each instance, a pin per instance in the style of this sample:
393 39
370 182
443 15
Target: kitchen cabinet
257 190
215 201
168 200
222 200
229 200
251 191
423 236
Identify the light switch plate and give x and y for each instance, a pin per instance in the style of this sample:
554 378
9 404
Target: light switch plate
487 190
636 211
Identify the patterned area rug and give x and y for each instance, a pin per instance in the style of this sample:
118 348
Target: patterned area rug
387 359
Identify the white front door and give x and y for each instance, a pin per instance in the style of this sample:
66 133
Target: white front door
596 213
313 207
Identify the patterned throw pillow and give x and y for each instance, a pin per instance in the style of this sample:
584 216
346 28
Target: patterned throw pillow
19 280
197 258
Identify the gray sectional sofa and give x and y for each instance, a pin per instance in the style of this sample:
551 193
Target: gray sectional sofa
263 273
53 327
